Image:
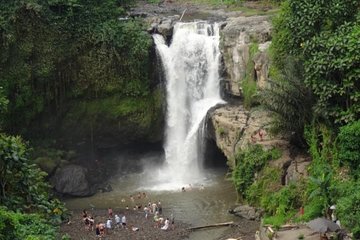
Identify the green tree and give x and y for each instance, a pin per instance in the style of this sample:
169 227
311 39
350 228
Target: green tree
56 51
23 187
324 35
15 225
290 101
348 207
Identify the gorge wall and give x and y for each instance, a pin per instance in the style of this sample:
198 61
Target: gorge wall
244 45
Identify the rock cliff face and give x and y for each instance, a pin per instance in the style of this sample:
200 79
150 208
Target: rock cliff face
236 37
233 127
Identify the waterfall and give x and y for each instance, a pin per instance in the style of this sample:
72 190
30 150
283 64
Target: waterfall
191 65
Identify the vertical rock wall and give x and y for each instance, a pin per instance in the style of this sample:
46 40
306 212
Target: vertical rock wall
236 38
233 127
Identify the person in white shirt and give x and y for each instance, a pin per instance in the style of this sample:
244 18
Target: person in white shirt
109 223
123 221
166 225
117 220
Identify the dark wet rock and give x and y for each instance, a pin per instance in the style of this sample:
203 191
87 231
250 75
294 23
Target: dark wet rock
71 180
166 26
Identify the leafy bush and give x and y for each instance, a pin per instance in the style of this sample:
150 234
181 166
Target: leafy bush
280 206
58 51
267 182
24 226
348 206
3 104
248 163
23 187
349 145
313 208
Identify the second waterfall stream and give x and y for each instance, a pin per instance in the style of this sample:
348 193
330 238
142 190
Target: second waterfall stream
191 67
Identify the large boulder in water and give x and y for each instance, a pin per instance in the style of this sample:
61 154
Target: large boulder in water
71 180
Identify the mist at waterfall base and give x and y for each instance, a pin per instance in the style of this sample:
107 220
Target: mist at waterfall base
191 68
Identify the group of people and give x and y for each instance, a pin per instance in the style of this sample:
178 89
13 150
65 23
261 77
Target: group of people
88 220
101 228
164 223
120 220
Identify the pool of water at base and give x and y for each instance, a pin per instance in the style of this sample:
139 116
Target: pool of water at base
199 205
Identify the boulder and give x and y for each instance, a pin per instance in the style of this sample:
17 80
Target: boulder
297 169
247 212
71 180
166 26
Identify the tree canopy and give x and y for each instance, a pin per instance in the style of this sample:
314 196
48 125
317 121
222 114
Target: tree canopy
53 51
324 35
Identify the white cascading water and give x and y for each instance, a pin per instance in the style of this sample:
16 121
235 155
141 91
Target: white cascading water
191 65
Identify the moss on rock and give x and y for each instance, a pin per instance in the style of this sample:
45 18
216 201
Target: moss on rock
122 119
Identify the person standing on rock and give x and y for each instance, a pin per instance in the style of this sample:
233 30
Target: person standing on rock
91 225
84 214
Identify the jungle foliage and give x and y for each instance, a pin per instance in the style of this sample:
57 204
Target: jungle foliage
248 163
290 101
16 225
56 51
324 35
318 99
28 211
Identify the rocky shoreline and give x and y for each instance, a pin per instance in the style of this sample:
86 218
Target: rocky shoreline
75 228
